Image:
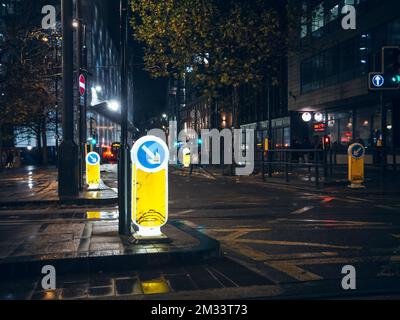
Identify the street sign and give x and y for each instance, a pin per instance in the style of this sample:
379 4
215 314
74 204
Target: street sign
93 170
356 154
379 81
150 157
82 85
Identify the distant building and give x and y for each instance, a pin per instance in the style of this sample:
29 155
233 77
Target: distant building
328 75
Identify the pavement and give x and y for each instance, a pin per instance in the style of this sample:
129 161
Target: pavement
278 241
89 243
375 178
33 186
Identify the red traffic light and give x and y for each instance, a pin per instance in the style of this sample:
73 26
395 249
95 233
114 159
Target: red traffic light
327 141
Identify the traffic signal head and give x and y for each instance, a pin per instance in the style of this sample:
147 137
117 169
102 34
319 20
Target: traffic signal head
93 140
391 60
327 142
396 78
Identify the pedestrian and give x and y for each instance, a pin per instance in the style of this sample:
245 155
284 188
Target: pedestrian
10 160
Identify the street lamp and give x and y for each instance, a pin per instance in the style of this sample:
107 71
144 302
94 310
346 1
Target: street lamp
75 23
68 178
113 105
124 180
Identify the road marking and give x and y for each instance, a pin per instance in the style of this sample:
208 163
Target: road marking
183 212
294 271
397 236
302 210
328 199
262 256
294 243
359 199
386 207
233 236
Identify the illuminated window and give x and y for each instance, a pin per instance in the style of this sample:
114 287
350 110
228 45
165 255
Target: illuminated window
317 17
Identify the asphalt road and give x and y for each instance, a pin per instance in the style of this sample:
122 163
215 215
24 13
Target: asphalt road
278 242
298 238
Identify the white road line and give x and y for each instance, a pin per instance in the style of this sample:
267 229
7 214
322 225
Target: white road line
302 210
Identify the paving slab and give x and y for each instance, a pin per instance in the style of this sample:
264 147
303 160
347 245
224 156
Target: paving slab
94 246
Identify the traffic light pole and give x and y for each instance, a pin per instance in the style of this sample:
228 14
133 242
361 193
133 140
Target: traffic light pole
124 157
384 131
68 155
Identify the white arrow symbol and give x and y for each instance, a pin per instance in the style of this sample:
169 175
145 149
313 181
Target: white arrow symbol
154 158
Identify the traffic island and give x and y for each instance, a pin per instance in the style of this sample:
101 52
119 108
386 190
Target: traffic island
95 246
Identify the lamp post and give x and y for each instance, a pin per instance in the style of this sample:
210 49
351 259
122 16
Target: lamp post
124 157
82 100
68 155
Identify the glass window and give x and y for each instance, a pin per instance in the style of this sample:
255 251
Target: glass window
340 129
347 59
365 126
317 17
304 21
333 10
394 33
331 72
306 75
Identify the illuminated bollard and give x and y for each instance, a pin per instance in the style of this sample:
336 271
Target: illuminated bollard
356 154
186 157
93 170
150 157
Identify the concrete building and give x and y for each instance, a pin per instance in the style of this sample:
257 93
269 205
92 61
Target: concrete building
328 76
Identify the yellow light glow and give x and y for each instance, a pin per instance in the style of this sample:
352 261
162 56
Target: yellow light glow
158 286
150 192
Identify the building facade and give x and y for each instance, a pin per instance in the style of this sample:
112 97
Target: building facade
328 75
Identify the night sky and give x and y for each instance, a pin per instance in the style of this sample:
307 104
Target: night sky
149 94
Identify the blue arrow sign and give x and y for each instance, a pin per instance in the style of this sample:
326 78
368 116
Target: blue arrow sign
378 81
357 151
93 158
151 155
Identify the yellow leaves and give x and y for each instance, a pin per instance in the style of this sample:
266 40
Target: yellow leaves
239 40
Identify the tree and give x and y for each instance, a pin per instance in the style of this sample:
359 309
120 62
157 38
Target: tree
220 45
28 61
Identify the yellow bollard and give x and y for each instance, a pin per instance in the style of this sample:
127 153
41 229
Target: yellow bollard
186 157
150 158
356 154
93 170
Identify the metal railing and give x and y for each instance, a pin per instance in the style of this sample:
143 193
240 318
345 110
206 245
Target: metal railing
316 164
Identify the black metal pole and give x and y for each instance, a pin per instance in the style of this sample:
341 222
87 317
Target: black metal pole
57 107
80 98
124 158
384 131
84 114
68 155
269 110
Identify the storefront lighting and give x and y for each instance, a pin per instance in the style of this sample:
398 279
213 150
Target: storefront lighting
318 117
306 116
